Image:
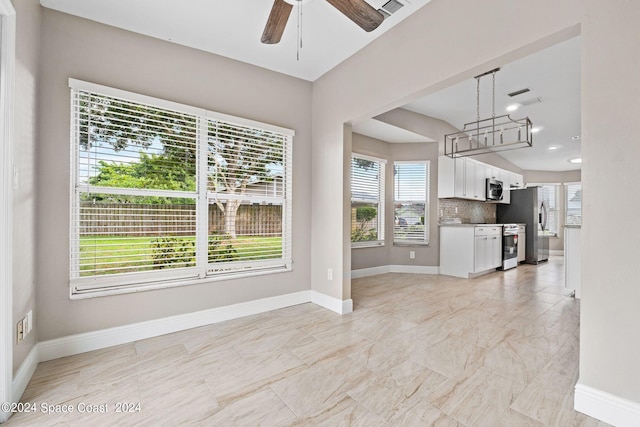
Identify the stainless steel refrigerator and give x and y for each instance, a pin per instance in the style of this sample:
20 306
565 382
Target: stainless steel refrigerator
528 207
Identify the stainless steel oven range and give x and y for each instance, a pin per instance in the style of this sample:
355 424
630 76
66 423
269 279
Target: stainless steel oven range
509 246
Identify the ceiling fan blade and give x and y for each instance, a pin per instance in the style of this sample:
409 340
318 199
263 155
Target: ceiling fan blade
277 21
360 12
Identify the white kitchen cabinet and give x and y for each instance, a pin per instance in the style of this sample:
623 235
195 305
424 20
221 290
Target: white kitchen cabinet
506 189
467 250
494 173
517 180
461 178
460 183
480 181
465 178
488 248
469 179
522 242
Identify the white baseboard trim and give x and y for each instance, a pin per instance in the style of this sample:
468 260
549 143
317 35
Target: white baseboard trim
414 269
372 271
331 303
24 373
95 340
556 252
606 407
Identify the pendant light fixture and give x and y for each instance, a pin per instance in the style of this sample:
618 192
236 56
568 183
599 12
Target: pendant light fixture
494 134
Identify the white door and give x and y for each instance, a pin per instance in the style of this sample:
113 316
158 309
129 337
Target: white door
7 60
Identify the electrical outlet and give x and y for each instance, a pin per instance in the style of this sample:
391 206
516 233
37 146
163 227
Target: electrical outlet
20 332
330 274
412 254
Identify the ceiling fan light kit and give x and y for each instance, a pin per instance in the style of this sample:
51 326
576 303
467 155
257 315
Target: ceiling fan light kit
358 11
494 134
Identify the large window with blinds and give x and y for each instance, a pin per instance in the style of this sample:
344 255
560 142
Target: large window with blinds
574 204
550 197
164 194
367 201
410 203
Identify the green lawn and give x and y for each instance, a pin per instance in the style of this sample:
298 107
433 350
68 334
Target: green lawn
121 254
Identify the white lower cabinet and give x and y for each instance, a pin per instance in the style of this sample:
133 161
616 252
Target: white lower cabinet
488 248
467 250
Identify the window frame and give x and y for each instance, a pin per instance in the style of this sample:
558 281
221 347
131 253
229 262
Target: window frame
380 217
567 185
109 284
410 242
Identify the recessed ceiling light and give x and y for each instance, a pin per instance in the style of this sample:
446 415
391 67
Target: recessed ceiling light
536 129
553 147
513 107
576 138
577 160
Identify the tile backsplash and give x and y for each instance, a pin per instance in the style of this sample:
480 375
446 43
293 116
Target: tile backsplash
469 211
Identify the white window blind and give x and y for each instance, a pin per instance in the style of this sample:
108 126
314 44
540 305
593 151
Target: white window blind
550 197
574 204
411 196
367 200
163 192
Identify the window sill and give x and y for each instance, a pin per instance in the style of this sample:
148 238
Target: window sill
376 244
143 287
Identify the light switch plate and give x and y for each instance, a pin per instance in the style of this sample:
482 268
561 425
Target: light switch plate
29 321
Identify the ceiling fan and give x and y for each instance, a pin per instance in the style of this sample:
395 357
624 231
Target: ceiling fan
359 11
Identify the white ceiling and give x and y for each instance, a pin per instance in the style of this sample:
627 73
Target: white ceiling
233 28
386 132
552 74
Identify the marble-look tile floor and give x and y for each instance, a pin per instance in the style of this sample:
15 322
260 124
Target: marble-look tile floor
418 350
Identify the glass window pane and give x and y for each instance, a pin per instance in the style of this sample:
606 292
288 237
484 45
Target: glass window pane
367 199
411 190
122 234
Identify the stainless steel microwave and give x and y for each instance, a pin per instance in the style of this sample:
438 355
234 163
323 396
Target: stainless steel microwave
494 189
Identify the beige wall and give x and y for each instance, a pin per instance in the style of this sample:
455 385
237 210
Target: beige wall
425 255
389 254
25 140
375 256
426 55
86 50
609 344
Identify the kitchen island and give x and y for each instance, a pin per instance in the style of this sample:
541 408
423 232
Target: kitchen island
470 250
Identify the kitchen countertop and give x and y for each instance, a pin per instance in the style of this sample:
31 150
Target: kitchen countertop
469 225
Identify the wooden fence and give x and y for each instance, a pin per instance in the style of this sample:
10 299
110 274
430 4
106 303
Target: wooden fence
127 219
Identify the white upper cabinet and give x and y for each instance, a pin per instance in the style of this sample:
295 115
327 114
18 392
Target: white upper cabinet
480 181
465 178
461 178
